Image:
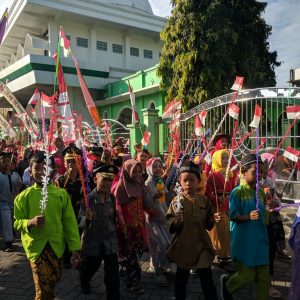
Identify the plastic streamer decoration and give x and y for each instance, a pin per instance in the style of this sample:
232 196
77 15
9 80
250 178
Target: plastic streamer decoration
45 181
257 171
81 176
21 112
286 205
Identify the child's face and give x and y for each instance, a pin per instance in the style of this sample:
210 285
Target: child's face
142 158
157 169
189 183
5 163
224 160
137 174
250 174
37 171
103 184
70 165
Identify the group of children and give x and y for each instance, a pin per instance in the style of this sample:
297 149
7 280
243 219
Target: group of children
130 209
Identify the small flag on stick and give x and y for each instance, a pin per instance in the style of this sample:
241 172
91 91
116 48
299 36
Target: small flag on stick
293 112
257 116
238 84
234 111
135 115
292 154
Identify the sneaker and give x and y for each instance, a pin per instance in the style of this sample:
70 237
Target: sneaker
225 295
160 278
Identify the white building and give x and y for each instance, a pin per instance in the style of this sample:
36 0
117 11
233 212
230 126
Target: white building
110 39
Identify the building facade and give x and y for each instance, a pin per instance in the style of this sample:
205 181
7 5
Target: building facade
110 39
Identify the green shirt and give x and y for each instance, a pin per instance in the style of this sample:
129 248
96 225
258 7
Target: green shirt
60 222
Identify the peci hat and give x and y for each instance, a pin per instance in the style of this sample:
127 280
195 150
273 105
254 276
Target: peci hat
68 152
96 150
106 171
250 159
190 167
221 136
6 154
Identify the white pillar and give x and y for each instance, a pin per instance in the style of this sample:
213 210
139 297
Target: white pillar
93 45
53 33
127 53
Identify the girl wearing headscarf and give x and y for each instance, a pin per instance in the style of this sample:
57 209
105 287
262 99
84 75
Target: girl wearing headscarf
158 236
130 195
217 190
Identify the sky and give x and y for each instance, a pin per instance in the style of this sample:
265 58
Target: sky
282 15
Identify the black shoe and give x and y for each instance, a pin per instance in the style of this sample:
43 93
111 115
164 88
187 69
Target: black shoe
8 247
85 287
225 295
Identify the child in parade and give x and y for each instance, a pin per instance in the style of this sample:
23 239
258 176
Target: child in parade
142 156
130 194
43 236
275 226
158 236
70 181
249 237
10 184
189 217
294 242
218 192
100 237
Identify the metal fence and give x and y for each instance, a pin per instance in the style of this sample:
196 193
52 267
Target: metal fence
273 124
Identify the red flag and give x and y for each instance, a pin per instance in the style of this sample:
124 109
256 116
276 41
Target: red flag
257 116
293 112
238 84
234 111
35 97
87 97
135 115
171 108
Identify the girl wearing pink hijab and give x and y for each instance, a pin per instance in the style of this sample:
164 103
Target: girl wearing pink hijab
130 195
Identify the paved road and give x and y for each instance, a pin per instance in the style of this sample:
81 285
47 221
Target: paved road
16 279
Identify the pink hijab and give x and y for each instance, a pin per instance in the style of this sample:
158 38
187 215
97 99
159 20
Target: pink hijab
127 188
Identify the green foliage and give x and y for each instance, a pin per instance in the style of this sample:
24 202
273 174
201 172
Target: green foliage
209 42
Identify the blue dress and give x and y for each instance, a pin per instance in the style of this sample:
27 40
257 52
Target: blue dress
249 239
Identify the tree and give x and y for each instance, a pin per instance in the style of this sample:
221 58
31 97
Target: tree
209 42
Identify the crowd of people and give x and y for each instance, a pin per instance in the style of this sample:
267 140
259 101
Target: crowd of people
108 206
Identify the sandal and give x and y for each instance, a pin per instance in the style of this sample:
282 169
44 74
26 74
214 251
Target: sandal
274 293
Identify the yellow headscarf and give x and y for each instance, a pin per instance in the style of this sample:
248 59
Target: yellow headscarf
216 165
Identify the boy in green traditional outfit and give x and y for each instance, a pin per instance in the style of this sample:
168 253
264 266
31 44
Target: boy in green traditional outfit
43 236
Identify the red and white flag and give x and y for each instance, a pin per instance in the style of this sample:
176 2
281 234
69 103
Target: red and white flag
257 116
203 116
238 84
171 108
146 138
292 154
175 121
198 126
64 42
135 115
234 111
293 112
90 104
46 100
35 97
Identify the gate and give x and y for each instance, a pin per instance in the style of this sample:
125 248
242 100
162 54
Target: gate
273 123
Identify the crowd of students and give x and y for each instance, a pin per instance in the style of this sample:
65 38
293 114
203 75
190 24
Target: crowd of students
186 213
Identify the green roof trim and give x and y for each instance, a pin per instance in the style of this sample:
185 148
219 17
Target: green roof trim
51 68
